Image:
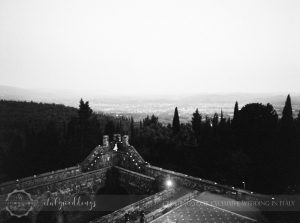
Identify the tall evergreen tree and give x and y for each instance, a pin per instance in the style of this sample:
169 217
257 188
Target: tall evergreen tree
84 114
287 114
84 111
215 120
196 123
176 122
236 110
222 121
88 126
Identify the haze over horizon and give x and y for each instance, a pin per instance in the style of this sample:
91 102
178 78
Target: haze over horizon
139 107
151 48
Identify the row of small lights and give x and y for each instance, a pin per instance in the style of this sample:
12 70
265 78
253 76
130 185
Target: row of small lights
133 160
95 160
217 183
17 180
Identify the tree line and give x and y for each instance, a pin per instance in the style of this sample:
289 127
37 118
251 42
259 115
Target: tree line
256 146
38 137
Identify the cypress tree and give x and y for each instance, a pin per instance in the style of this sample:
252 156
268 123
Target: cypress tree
176 122
234 122
215 120
222 121
287 140
196 121
236 110
84 114
287 114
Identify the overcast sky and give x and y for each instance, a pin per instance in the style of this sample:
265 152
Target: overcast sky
151 47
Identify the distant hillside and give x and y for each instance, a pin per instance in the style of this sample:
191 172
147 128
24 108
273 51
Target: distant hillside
140 106
19 115
41 137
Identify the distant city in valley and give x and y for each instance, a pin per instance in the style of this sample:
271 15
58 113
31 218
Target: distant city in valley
139 107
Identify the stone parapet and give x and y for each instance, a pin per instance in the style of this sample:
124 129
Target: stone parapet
201 184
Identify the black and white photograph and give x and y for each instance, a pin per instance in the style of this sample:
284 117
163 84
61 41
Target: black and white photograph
162 111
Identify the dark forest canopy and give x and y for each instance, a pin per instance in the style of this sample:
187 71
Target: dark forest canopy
43 137
256 146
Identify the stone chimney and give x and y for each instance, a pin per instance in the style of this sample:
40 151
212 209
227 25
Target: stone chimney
105 140
125 140
117 137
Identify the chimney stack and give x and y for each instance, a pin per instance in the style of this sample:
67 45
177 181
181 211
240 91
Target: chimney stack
125 140
105 140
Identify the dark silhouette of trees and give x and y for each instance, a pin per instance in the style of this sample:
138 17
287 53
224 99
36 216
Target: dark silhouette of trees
109 129
256 127
45 137
119 127
257 118
289 143
215 121
150 121
222 119
287 114
84 111
256 146
235 114
176 122
84 115
14 163
132 130
83 132
196 124
236 110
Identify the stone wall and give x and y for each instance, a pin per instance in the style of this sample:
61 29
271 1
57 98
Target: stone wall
36 180
90 181
131 161
200 184
134 209
100 157
58 180
135 183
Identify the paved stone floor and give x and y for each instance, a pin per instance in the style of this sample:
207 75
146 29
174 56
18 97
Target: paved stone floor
198 211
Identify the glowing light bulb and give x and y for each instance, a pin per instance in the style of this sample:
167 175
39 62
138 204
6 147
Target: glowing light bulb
169 183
